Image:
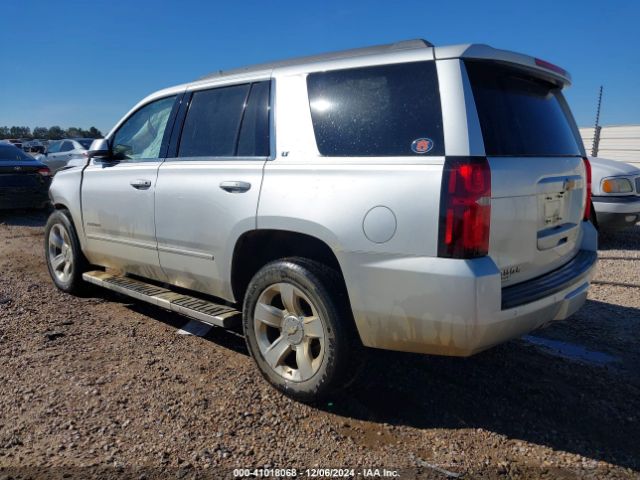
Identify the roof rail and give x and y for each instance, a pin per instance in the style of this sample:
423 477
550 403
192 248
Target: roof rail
354 52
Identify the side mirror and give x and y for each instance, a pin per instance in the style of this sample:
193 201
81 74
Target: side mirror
100 148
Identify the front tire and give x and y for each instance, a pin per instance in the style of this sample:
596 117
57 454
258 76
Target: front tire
65 261
298 328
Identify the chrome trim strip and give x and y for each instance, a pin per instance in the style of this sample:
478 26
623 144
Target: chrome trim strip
183 251
133 243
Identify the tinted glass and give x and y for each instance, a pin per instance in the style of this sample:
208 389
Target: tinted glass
86 143
521 114
66 146
54 147
212 122
9 152
389 110
254 133
141 135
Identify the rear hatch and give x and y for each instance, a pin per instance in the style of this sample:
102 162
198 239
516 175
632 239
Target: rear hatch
538 186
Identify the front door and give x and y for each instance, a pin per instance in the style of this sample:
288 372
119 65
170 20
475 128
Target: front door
118 193
207 193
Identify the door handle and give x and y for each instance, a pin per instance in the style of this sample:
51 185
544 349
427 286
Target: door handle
140 184
235 186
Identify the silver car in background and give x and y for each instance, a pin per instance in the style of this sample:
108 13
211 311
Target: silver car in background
59 152
405 197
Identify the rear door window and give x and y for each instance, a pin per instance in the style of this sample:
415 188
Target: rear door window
387 110
521 115
213 121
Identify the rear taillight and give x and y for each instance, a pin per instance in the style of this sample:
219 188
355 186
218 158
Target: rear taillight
587 206
465 208
44 171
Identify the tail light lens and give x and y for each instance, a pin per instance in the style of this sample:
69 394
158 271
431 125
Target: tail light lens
587 206
44 171
465 208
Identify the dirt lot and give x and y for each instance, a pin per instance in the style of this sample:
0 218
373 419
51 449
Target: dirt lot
103 385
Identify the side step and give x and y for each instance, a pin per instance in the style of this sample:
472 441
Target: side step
202 310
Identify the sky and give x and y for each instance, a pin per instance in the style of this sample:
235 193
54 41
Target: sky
79 63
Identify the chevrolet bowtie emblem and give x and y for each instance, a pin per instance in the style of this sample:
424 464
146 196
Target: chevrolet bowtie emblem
569 185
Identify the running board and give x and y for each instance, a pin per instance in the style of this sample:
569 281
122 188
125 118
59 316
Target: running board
202 310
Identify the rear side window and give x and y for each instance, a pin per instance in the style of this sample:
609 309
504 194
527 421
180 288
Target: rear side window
388 110
66 147
521 115
227 121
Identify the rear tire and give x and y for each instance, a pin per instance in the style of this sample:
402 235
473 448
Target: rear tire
65 261
299 330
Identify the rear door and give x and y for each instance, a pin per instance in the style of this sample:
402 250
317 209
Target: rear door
118 194
537 171
207 191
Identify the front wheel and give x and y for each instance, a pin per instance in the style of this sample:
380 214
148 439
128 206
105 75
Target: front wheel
65 260
298 328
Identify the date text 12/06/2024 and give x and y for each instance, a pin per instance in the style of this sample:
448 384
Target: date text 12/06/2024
315 473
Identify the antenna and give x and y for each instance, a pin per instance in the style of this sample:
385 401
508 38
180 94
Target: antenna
596 133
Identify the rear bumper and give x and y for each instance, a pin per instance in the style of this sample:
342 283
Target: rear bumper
617 212
455 307
11 198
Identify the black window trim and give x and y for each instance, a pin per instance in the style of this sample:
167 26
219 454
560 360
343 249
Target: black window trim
181 116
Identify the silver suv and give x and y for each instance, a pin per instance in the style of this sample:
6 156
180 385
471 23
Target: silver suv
405 197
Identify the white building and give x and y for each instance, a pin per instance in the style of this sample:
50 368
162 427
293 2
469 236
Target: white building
617 142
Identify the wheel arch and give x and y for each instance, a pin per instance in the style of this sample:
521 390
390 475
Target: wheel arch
256 248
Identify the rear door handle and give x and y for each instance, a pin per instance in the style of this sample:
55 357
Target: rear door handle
235 186
140 184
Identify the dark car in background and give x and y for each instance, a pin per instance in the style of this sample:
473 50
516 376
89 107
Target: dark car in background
24 181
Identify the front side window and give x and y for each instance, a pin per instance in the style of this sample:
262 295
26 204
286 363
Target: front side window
141 135
386 110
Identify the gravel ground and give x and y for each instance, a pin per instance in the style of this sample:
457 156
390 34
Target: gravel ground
104 386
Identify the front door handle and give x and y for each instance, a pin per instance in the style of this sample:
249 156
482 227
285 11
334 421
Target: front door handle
235 186
140 184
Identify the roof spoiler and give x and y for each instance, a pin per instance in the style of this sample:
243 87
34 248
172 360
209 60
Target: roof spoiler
538 66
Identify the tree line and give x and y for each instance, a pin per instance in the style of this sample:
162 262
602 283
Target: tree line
51 133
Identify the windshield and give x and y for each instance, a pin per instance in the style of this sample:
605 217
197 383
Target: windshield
521 115
9 152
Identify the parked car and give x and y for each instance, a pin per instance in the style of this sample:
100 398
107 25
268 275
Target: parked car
404 197
14 141
35 147
59 152
616 194
24 182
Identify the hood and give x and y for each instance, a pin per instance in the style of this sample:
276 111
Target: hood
603 167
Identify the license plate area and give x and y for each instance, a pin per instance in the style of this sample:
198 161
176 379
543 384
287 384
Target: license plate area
553 210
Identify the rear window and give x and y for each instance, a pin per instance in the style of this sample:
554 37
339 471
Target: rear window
9 152
521 115
388 110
